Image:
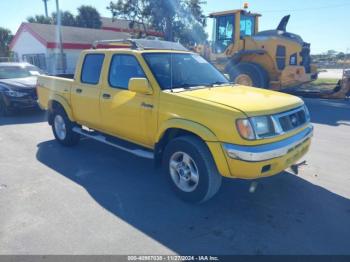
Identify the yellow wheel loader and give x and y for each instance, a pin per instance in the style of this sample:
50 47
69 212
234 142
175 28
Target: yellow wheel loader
272 59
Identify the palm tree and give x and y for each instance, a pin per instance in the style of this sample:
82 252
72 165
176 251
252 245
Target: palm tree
46 12
88 17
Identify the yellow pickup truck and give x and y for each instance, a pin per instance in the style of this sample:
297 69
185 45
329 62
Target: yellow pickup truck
157 100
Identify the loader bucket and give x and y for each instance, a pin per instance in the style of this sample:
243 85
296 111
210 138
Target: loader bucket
342 90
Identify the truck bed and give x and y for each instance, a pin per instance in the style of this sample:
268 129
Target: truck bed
49 86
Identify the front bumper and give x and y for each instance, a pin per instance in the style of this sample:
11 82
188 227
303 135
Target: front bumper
268 151
269 159
20 102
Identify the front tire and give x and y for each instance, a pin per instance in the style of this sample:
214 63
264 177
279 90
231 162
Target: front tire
62 129
190 169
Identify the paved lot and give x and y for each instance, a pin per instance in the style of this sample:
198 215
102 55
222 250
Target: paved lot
94 199
331 73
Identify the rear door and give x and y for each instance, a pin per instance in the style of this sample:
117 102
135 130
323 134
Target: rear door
86 90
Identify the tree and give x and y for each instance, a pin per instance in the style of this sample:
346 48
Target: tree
88 17
40 19
341 56
137 11
191 35
5 39
67 18
178 19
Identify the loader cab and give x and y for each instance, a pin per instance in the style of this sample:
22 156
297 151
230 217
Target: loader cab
230 27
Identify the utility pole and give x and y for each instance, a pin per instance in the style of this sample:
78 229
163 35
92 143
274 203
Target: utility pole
59 35
46 12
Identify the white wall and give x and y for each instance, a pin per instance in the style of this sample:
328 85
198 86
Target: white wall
72 56
28 44
72 59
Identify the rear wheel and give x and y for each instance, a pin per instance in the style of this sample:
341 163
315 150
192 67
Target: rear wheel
62 129
249 74
190 169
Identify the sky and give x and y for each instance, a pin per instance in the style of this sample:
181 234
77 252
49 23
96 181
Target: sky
323 23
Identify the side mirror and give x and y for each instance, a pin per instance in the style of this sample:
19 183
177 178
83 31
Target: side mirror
140 85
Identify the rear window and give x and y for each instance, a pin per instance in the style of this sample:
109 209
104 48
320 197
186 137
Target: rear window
91 71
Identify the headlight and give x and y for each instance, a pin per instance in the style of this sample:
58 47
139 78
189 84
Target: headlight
255 127
307 113
260 127
263 126
15 93
245 129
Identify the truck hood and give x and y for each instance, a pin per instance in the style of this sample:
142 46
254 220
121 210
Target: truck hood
251 101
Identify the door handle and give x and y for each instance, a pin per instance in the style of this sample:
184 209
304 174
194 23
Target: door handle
78 90
106 96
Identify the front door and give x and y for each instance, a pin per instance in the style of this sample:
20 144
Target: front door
127 114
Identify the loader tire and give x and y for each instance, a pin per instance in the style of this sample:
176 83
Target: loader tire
249 74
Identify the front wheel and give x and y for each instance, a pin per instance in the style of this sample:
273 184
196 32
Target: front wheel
190 169
62 129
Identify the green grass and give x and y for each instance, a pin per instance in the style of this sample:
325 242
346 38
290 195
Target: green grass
321 84
325 81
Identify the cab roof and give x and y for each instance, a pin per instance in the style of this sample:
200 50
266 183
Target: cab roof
227 12
140 44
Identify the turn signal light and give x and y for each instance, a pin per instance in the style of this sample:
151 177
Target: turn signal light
245 129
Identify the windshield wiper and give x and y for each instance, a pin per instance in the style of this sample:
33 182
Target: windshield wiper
186 86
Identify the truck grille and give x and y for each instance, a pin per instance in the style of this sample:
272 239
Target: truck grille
306 58
292 119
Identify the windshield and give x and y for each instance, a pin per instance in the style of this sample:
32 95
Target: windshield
177 70
10 72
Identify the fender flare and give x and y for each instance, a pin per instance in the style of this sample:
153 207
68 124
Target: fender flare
236 58
63 102
198 129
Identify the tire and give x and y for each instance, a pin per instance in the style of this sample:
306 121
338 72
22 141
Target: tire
208 179
4 110
258 75
62 128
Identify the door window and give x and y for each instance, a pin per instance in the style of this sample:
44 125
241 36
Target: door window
122 68
247 25
92 66
225 27
38 60
224 32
